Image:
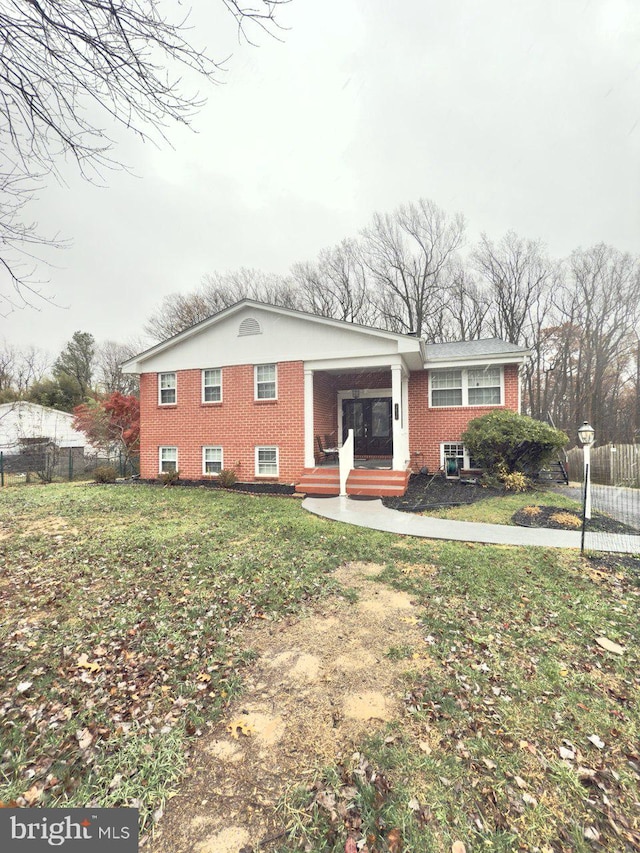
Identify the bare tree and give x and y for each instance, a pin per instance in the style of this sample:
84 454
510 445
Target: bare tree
465 307
517 271
180 311
62 59
109 357
336 285
408 254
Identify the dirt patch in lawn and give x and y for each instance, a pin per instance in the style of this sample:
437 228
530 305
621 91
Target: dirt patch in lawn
49 526
319 684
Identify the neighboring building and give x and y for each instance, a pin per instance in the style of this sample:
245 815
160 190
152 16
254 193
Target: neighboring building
260 389
22 424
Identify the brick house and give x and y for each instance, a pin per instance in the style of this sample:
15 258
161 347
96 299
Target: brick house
265 390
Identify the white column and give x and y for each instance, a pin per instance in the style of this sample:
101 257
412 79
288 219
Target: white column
396 410
309 450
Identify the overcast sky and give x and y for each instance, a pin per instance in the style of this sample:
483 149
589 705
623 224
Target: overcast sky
520 115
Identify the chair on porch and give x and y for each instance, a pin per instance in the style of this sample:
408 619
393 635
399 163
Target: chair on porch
326 452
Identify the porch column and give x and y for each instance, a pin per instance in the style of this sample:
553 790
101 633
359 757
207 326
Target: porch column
309 450
397 409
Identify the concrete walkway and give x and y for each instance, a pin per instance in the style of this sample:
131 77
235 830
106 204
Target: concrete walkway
374 515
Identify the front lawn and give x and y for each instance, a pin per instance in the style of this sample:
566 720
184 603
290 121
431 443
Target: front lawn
122 639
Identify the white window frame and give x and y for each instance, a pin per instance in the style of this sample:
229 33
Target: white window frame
211 385
464 371
161 470
204 459
173 388
259 382
258 473
466 461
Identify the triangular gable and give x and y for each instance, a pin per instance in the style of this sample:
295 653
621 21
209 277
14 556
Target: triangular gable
254 332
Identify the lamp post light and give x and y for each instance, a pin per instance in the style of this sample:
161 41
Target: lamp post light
586 435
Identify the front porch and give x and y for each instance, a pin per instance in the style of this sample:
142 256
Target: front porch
371 400
364 480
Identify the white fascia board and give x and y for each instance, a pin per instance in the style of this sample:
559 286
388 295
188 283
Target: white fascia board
462 361
345 365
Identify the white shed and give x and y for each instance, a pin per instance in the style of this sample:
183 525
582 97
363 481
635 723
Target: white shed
22 422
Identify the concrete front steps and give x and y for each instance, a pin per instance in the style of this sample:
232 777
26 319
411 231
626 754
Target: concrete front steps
361 482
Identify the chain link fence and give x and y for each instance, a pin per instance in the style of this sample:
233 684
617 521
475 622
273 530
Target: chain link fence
47 463
615 495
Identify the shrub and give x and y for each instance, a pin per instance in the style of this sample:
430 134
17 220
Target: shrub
514 481
504 441
227 478
169 478
566 519
105 474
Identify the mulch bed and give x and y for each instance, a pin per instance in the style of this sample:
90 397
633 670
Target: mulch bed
428 492
252 488
550 516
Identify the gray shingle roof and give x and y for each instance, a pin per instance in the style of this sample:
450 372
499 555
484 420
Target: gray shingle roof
472 349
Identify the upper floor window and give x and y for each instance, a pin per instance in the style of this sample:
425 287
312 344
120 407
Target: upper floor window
212 385
266 382
472 386
167 388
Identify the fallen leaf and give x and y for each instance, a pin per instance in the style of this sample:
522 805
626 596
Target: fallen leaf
394 840
596 741
84 738
203 676
424 746
566 753
609 645
83 662
238 727
519 781
489 764
458 847
350 846
33 794
529 800
24 686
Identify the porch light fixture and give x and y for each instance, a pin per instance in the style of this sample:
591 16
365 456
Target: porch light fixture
586 436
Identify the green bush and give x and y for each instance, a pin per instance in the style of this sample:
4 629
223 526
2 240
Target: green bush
503 442
105 474
227 478
169 478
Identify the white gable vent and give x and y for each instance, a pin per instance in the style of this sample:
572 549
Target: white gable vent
250 326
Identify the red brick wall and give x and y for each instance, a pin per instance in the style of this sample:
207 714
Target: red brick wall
429 427
238 424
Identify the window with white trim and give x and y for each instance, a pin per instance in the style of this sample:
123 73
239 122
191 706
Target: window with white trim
211 460
168 459
266 461
472 386
212 385
266 382
484 386
454 457
167 389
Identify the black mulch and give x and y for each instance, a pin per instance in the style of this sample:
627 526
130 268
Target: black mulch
544 518
253 488
428 492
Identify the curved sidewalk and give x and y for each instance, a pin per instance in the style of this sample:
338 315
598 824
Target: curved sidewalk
374 515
